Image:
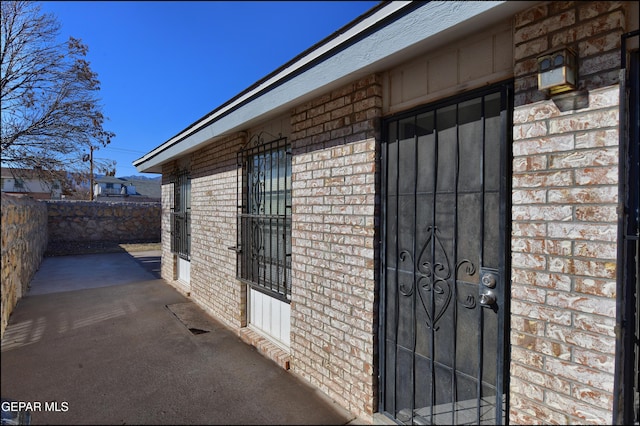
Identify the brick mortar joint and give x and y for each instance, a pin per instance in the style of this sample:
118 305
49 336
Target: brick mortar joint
576 115
578 20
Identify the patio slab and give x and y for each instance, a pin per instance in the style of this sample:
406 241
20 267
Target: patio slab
96 336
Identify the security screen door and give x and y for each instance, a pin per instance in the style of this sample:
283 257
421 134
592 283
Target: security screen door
444 269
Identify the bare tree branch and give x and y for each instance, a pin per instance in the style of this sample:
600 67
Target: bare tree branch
51 115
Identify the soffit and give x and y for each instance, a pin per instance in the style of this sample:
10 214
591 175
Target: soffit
388 36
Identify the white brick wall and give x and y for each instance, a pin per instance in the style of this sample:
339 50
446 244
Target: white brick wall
564 231
213 231
564 261
333 240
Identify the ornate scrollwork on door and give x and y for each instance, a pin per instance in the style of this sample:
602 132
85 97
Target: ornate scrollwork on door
434 278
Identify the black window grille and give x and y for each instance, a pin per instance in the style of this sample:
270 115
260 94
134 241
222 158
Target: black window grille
264 216
181 215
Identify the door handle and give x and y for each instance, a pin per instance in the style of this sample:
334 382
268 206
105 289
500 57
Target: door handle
489 281
487 298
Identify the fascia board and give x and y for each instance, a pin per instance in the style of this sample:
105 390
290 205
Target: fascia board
358 57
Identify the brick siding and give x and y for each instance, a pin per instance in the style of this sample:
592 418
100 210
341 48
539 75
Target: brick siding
564 230
213 230
333 243
213 283
592 29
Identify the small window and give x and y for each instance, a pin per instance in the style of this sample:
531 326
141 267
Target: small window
264 220
18 184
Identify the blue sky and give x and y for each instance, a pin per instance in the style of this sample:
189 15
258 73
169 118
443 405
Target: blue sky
164 65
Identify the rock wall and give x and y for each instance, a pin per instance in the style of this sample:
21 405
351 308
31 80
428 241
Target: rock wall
28 226
24 240
103 221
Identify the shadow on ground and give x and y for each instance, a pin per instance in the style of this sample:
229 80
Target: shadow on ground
109 343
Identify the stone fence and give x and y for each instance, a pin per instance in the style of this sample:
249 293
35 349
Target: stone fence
29 226
117 221
24 241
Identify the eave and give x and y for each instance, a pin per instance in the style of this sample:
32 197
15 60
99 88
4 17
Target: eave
385 36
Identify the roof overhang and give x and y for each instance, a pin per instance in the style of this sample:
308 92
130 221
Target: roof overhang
388 34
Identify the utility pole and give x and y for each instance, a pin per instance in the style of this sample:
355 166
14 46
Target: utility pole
89 158
91 173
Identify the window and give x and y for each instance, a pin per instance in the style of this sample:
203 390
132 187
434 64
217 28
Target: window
18 184
264 219
181 215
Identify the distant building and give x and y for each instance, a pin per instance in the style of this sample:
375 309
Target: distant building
128 189
30 182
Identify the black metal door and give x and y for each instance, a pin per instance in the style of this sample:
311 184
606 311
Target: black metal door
626 385
444 269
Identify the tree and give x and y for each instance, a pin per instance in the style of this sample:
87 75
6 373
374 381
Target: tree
51 115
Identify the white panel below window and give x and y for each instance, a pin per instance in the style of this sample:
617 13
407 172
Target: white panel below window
270 316
184 270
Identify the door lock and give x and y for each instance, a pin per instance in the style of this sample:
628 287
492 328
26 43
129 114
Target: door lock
489 280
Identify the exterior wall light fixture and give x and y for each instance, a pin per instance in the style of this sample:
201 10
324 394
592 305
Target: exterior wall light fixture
558 71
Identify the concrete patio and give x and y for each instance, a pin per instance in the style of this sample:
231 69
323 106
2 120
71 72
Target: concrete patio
109 342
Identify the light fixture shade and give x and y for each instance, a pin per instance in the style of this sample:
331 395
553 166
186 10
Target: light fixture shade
558 71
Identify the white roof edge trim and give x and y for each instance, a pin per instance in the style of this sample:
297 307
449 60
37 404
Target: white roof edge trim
392 8
170 148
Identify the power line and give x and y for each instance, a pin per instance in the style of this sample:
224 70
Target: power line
124 150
